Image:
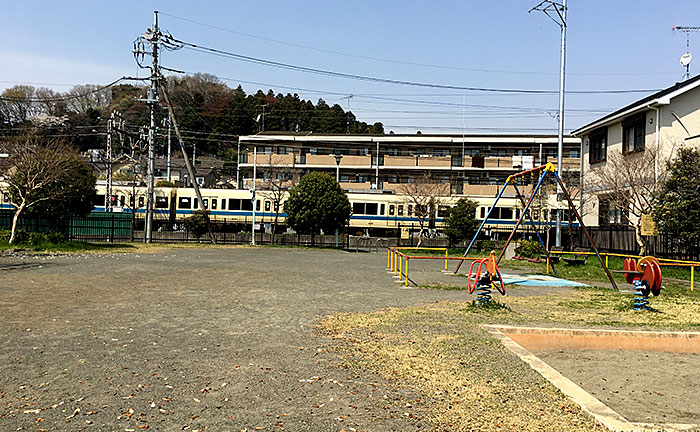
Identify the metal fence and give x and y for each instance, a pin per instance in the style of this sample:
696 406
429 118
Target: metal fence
93 227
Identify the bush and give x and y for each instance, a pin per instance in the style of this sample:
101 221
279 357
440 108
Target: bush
529 249
487 245
33 238
198 223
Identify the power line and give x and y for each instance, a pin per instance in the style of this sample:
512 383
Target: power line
288 66
394 61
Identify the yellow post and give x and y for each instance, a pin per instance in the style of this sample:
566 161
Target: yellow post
547 264
692 278
406 282
388 257
445 259
606 260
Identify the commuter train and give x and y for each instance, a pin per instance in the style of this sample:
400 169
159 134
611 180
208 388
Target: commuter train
373 213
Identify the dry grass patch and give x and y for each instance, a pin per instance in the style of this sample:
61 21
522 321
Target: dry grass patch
467 379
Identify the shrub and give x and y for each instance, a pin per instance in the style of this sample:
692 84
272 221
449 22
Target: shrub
487 245
529 249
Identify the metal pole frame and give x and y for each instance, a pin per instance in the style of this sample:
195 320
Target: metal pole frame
532 222
498 197
580 221
520 219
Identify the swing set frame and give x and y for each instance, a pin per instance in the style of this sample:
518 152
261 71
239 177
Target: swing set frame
511 180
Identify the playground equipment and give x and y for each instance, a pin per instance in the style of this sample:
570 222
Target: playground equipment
483 283
645 277
511 180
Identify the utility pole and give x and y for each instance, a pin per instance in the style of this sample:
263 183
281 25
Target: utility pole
255 181
557 13
152 37
108 192
170 149
238 166
685 59
348 112
261 125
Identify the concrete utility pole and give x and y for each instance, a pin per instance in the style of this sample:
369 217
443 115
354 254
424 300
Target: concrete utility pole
170 149
255 181
108 192
557 13
238 166
153 37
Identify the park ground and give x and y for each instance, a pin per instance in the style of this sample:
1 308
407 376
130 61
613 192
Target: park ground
241 338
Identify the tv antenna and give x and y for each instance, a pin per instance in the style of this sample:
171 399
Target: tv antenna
687 57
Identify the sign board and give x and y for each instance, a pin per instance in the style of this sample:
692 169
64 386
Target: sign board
649 227
404 233
528 162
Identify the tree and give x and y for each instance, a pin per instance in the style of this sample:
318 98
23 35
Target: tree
424 195
38 172
317 203
461 223
278 180
677 209
631 184
198 223
80 181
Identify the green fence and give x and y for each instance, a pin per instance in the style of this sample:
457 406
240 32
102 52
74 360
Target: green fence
93 227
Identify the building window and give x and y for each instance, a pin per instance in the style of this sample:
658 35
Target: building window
573 154
441 152
393 151
499 153
598 145
633 135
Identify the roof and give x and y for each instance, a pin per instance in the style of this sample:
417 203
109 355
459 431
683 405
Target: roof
404 139
662 97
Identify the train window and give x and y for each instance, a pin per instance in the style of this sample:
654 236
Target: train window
196 203
214 201
482 212
246 204
223 204
371 208
141 201
506 213
383 210
517 213
267 206
257 205
277 206
122 199
205 201
184 202
443 211
358 208
392 210
98 201
400 210
234 204
410 209
161 202
6 197
132 200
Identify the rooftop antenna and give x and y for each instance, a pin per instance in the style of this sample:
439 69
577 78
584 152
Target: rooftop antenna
687 57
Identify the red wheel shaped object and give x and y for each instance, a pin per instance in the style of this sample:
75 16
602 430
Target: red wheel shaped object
652 274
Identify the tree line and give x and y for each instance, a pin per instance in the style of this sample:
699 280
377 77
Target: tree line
211 113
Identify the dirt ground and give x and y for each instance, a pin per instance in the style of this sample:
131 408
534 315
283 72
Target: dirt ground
642 386
197 339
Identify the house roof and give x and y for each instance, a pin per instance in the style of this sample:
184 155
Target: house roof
662 97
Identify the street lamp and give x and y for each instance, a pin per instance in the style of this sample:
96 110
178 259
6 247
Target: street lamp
337 157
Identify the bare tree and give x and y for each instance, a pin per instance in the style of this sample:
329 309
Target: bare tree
424 195
33 166
630 183
88 96
278 180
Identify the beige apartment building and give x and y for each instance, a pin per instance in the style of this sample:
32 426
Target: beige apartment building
470 165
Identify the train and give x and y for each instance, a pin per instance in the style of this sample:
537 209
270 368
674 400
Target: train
373 212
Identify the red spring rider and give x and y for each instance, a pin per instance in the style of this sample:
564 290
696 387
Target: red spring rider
483 282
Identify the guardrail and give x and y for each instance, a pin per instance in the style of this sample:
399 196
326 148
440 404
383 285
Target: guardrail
662 261
397 262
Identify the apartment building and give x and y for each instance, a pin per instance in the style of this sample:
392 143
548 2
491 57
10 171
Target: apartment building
470 165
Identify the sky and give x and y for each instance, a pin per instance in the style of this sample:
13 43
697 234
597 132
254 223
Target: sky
611 45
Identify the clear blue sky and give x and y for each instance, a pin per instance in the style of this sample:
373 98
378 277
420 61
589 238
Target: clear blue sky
621 44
